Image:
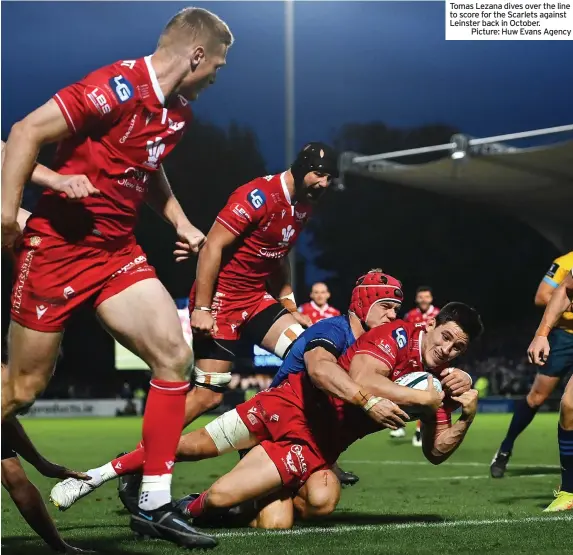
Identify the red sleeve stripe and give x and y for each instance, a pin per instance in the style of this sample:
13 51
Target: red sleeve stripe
377 356
65 112
228 226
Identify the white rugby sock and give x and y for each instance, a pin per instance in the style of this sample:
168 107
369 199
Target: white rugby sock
155 491
101 475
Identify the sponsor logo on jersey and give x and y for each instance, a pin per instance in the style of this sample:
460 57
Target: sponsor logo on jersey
22 277
99 100
385 347
300 215
241 212
175 126
129 129
257 198
121 87
272 253
35 241
130 265
297 450
553 270
400 337
41 310
134 179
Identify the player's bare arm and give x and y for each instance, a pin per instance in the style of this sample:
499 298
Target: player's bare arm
44 125
163 201
543 293
13 431
208 266
280 286
440 440
560 302
372 374
332 379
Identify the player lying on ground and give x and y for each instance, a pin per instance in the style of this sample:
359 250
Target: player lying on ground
25 495
557 367
301 430
539 351
115 126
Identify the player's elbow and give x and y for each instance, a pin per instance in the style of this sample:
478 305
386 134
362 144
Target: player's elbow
25 131
433 456
542 298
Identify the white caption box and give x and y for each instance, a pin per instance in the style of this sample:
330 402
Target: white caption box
509 20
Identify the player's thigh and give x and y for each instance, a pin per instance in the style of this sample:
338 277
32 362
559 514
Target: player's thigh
566 409
273 328
543 386
254 476
144 319
32 356
319 496
275 511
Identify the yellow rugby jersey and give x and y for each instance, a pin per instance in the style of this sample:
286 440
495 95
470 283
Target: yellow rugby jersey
555 275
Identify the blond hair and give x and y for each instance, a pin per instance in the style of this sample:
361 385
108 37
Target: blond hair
196 25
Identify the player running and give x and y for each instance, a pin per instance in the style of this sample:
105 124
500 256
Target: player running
115 126
302 430
318 308
423 311
540 352
549 375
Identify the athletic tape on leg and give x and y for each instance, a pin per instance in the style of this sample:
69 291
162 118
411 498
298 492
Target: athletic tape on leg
287 338
216 381
229 432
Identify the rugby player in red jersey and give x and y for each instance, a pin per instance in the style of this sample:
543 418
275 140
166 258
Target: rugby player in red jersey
297 431
115 126
318 308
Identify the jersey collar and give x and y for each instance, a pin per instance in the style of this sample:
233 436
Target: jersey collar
285 189
154 81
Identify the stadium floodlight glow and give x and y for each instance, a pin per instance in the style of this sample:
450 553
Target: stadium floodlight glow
460 150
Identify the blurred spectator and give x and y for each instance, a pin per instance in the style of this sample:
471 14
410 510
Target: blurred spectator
424 308
126 391
318 308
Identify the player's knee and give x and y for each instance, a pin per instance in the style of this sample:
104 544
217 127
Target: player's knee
536 398
174 362
220 498
13 476
566 412
207 399
275 521
323 502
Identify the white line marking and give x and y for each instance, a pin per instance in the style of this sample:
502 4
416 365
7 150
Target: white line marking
386 527
484 476
447 463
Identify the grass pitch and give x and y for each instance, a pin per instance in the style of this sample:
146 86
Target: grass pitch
402 505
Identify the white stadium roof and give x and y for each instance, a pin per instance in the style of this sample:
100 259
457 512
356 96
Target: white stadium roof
534 185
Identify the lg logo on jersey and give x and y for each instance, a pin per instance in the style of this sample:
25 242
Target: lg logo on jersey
122 88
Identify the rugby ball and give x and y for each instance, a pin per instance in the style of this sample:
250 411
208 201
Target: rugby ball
417 380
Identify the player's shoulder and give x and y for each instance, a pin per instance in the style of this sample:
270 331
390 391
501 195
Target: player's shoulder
334 323
565 261
261 192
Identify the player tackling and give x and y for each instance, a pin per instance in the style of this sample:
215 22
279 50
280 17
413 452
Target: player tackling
115 126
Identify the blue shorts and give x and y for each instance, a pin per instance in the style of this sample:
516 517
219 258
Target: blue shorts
560 361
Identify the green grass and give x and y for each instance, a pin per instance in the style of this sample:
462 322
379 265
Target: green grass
402 505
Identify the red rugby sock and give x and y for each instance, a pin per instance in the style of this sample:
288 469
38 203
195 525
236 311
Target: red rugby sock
162 425
197 507
129 463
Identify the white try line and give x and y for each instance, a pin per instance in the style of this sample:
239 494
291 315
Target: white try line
425 463
483 477
385 527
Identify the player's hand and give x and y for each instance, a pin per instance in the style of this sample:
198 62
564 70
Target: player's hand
455 381
468 401
74 186
302 319
388 414
434 397
191 241
538 351
11 233
52 470
202 322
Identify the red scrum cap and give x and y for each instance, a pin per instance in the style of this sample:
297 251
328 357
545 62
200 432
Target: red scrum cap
371 288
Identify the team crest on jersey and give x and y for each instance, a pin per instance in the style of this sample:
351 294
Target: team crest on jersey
400 337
